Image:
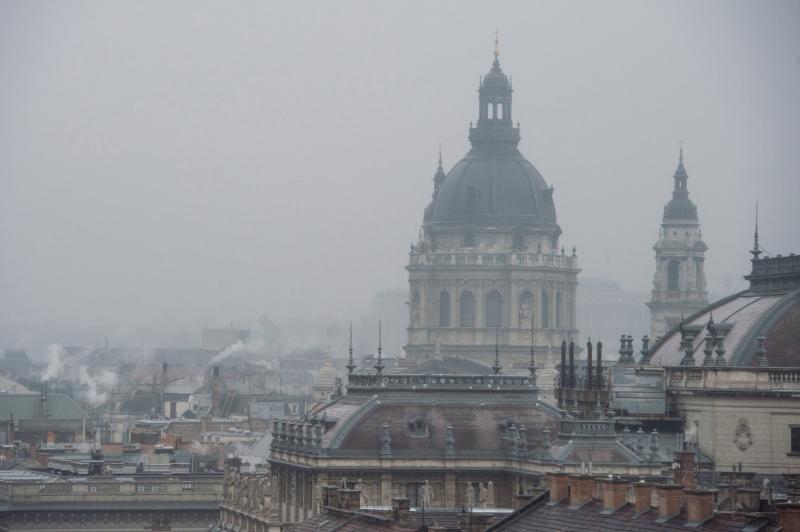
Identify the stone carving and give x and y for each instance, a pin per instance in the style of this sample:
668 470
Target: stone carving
483 495
364 501
426 494
742 436
490 494
470 496
316 497
525 309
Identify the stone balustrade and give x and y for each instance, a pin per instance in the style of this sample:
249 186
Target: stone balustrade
520 260
761 379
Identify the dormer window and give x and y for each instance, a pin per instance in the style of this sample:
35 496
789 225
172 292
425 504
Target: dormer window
469 240
519 242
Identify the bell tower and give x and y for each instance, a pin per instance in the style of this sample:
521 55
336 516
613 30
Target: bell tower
679 284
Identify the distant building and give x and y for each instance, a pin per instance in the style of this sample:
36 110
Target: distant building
41 418
679 284
222 338
605 311
488 266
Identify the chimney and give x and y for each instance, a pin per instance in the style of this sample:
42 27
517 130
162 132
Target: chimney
330 496
571 364
699 506
643 491
788 516
44 400
11 435
400 508
589 368
669 501
559 487
580 490
350 500
216 391
684 473
614 492
163 380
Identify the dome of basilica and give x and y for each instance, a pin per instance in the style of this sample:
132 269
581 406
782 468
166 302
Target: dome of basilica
493 185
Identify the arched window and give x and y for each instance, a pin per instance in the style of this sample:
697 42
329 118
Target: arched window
558 310
444 309
490 111
545 309
415 310
466 314
494 309
673 275
499 114
525 310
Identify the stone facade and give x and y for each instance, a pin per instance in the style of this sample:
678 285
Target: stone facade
740 416
488 267
679 284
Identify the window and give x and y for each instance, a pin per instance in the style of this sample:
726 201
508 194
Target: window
467 310
499 114
444 309
545 309
673 275
519 242
795 439
525 310
490 111
558 310
494 309
469 240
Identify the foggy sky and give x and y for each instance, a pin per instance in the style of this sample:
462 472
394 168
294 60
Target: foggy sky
166 164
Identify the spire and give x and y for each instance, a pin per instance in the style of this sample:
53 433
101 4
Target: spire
379 364
496 62
756 251
350 364
438 178
497 366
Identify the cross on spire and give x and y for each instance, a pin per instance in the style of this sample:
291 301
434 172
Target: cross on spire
496 43
350 364
756 251
680 156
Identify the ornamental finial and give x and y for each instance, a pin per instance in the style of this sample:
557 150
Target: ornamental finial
496 43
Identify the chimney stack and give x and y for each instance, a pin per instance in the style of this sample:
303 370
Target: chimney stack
614 492
400 508
788 516
164 368
581 488
44 400
669 501
699 506
350 500
559 487
216 391
643 491
684 473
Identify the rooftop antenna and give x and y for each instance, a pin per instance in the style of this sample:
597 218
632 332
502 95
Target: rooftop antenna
756 251
379 365
350 364
497 366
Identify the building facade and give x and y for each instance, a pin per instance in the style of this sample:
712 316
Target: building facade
679 284
488 268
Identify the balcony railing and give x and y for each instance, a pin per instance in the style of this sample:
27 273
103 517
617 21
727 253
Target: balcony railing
520 260
721 378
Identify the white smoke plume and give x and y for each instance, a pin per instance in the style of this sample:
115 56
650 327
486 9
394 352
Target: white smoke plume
235 349
55 363
97 385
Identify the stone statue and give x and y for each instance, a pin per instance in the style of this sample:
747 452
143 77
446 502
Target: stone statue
264 490
362 493
426 494
241 491
483 495
254 495
490 494
316 500
470 496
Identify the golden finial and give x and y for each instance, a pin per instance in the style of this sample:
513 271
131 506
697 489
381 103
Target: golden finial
496 43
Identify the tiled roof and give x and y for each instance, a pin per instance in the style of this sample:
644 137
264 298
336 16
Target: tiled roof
538 516
29 406
342 521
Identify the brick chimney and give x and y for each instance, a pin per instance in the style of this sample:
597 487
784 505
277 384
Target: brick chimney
350 500
401 506
699 505
684 473
614 493
216 391
164 368
788 516
559 487
643 491
669 501
580 490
